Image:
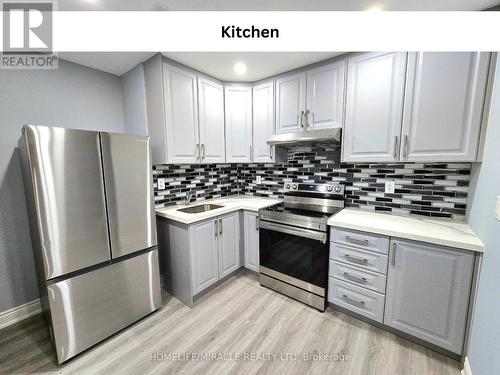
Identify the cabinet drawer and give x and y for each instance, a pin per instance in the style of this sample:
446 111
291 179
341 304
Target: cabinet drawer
359 300
364 259
362 240
358 276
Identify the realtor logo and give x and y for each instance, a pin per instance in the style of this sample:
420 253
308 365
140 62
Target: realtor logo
27 35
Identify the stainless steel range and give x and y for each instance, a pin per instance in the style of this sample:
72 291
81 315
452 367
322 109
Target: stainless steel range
294 241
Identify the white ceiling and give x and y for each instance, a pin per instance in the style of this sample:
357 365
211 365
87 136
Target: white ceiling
259 64
111 62
275 4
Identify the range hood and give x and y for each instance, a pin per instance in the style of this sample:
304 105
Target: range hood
309 136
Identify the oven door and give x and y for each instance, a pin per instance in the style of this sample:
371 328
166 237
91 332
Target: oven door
294 255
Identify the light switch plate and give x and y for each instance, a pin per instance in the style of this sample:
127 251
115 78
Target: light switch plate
258 179
389 186
497 209
161 184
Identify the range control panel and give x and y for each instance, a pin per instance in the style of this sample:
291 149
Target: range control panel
314 188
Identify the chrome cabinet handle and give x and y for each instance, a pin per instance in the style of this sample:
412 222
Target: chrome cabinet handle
256 223
251 152
395 154
360 280
270 152
355 260
216 230
220 227
357 240
203 151
197 152
393 257
306 117
302 119
352 301
405 146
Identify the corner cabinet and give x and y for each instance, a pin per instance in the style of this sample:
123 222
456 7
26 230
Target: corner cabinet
263 121
251 234
374 106
428 291
445 94
238 110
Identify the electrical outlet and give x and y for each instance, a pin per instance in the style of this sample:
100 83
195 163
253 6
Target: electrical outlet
161 184
497 209
258 179
389 186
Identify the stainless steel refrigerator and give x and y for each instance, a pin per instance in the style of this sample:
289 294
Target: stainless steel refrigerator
91 210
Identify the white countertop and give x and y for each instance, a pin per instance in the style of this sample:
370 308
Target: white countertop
230 203
436 231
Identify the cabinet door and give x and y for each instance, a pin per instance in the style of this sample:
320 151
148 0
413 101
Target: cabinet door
325 96
181 115
204 255
251 241
238 100
211 118
374 107
229 244
290 103
428 292
445 94
263 121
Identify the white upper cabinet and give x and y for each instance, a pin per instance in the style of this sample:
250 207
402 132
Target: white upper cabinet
263 121
374 107
211 119
290 103
238 108
443 106
325 96
181 115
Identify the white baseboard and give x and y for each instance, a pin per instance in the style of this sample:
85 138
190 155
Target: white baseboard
467 370
19 313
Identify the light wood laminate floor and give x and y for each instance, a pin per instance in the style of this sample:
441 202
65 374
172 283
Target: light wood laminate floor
237 317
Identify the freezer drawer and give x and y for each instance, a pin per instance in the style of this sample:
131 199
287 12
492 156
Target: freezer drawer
129 192
64 187
90 307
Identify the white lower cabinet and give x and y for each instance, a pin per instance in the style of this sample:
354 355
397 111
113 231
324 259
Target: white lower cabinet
229 244
215 250
425 288
428 291
204 258
251 233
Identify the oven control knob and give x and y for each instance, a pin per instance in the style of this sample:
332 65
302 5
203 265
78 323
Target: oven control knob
338 189
294 186
329 188
287 186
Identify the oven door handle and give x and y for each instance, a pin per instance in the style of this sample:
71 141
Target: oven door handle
313 235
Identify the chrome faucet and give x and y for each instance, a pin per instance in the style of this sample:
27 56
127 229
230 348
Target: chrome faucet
189 194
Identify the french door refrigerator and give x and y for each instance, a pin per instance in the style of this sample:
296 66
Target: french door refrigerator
91 210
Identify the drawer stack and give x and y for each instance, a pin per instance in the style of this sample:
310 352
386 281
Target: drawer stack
357 272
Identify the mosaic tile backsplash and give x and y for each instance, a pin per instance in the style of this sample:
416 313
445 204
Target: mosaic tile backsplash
428 189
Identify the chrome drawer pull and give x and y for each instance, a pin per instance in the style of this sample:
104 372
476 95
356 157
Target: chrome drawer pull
360 280
356 260
352 301
356 240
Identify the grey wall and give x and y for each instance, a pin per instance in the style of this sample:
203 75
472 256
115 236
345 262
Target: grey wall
72 96
485 343
134 101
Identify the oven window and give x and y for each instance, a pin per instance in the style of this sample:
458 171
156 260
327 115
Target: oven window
299 257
